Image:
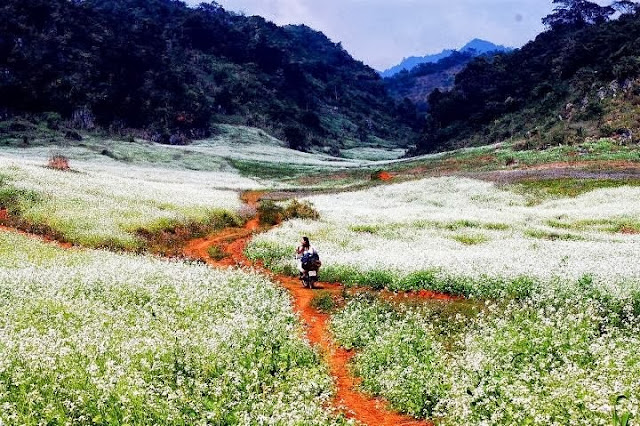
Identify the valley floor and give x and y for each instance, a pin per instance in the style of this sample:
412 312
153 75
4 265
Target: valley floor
485 286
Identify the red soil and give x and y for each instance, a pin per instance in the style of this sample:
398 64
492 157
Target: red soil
628 230
385 176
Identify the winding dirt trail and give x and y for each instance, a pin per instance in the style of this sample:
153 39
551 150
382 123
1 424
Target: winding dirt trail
355 405
231 242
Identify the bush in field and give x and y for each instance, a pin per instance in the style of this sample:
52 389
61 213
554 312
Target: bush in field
300 210
59 162
216 253
272 213
324 302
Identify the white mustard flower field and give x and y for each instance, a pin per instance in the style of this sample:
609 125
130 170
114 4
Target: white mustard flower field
549 333
523 363
91 337
469 237
97 203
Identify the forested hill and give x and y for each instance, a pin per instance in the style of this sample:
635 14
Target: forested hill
417 84
171 71
578 79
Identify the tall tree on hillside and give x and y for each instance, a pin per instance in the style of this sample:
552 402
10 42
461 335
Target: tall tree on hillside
626 7
577 14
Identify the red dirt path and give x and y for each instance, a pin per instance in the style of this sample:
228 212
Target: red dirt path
356 405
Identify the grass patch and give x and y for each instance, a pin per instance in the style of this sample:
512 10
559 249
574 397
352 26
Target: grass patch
470 240
256 169
216 253
568 188
366 229
552 236
324 302
611 226
352 277
459 224
277 258
496 226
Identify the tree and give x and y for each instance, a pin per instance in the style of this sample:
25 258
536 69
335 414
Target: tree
577 14
626 7
295 137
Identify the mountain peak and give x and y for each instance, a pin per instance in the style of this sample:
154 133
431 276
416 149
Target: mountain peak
477 46
483 46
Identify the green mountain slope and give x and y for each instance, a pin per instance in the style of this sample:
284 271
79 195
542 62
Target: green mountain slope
579 79
167 72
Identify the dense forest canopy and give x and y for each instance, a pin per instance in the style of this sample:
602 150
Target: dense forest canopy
416 84
169 69
587 51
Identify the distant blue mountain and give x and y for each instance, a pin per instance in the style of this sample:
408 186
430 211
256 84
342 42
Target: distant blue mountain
477 46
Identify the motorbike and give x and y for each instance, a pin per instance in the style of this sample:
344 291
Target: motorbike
309 278
311 267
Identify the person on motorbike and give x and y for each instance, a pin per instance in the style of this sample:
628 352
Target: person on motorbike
305 248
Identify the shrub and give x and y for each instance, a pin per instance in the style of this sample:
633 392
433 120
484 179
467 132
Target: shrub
216 253
59 162
301 210
324 302
470 240
270 213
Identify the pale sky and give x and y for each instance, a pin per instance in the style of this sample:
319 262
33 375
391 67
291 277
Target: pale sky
382 32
